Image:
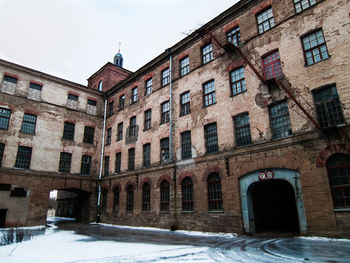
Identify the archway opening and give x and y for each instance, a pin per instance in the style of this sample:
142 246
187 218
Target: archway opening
274 207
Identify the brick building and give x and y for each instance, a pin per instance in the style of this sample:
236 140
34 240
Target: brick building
240 127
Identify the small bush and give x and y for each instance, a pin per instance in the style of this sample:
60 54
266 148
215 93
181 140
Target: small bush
15 235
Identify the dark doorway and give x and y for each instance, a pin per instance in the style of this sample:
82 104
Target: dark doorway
274 207
2 217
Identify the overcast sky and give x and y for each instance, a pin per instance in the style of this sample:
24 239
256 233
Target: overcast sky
72 39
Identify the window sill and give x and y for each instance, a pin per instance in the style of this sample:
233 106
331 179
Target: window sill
165 85
206 106
164 123
187 212
203 64
70 140
234 95
26 133
342 209
181 115
216 212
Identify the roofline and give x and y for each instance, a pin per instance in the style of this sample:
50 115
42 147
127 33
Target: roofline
109 63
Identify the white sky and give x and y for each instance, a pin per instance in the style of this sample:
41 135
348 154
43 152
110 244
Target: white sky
72 39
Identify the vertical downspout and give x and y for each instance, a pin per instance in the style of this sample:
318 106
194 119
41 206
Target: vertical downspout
101 161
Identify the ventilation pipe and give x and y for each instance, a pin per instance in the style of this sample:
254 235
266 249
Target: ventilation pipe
168 51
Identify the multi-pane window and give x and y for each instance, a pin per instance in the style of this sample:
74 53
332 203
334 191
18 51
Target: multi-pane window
131 159
148 119
68 131
116 199
164 150
146 197
120 131
185 102
164 195
109 136
280 121
207 53
104 200
187 194
92 102
65 162
272 65
89 134
121 102
211 138
165 112
5 115
186 151
214 192
2 147
130 198
73 97
24 154
315 49
242 130
338 166
165 77
237 81
184 66
328 107
106 166
234 36
301 5
209 93
147 155
118 162
86 161
110 108
148 88
28 124
132 128
134 97
265 20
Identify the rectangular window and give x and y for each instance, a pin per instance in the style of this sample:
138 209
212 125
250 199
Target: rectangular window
121 102
328 107
9 85
86 161
148 89
234 36
132 128
164 150
184 66
89 134
186 147
65 162
131 159
106 166
92 102
10 79
301 5
68 131
207 53
265 20
118 162
2 148
120 132
280 121
24 155
109 136
35 86
315 49
165 77
242 129
209 93
28 124
148 119
5 115
165 112
73 97
185 102
111 108
134 95
147 155
237 81
211 138
272 66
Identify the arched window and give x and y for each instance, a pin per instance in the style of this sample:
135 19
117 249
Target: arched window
104 200
187 194
338 166
100 86
116 199
214 192
130 198
146 197
164 195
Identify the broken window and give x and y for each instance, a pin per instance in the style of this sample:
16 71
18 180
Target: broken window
121 102
214 192
132 128
187 194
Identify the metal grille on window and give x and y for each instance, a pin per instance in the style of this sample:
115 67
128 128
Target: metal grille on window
148 119
164 150
109 136
265 20
165 77
238 81
165 112
164 195
116 199
104 200
120 132
28 124
85 165
121 102
106 166
4 118
185 104
214 192
146 197
186 150
187 194
328 107
134 95
184 66
68 131
65 162
131 159
147 155
272 66
148 87
242 128
315 48
132 131
24 155
118 162
130 198
2 147
209 93
211 138
280 121
207 53
301 5
234 36
89 134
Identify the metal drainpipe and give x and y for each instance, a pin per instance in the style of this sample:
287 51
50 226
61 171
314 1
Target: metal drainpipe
101 161
168 51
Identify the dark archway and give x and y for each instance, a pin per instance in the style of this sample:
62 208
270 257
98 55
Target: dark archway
274 206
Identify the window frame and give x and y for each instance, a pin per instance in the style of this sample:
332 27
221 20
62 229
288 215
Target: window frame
209 94
134 95
214 188
165 77
186 145
130 198
184 66
131 159
165 112
132 126
121 105
272 62
211 138
148 86
207 53
109 136
273 119
146 197
23 158
73 97
311 49
185 103
187 194
68 131
110 108
241 140
146 155
233 36
271 20
311 3
5 116
65 162
35 86
164 196
89 134
86 165
2 150
28 123
164 150
106 166
118 162
147 120
120 131
92 103
10 79
237 81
